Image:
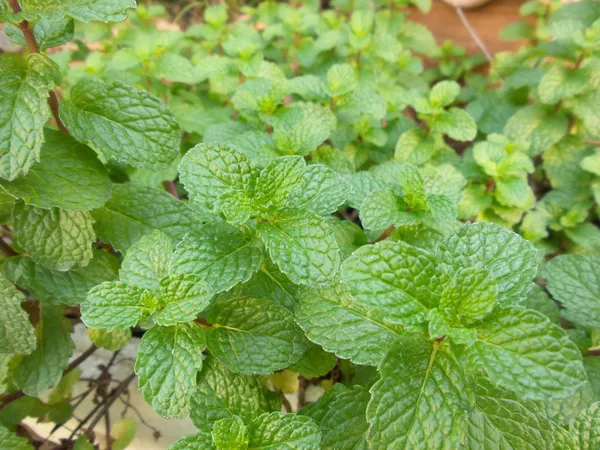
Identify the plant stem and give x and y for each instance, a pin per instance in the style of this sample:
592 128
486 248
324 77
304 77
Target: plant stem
34 48
473 33
385 234
6 249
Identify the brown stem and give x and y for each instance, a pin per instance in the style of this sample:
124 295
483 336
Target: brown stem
286 404
170 187
385 234
593 351
6 249
34 48
114 395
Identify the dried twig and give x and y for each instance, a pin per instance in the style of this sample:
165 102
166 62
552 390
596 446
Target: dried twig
473 33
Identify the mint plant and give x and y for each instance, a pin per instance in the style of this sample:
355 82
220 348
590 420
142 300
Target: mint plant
314 237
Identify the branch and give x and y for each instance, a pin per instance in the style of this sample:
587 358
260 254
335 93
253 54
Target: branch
7 249
34 48
170 187
114 395
471 31
385 234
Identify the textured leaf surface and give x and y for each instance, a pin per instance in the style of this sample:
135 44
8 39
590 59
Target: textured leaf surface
84 10
167 363
43 368
586 428
278 180
522 351
69 287
55 238
182 298
471 295
222 256
23 110
112 304
122 123
420 400
537 126
147 261
276 431
110 340
16 333
253 336
230 434
199 441
322 192
10 440
134 211
315 362
574 280
303 248
342 325
510 258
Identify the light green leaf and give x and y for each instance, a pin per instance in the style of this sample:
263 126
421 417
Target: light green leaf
303 248
110 340
120 122
383 208
341 80
510 258
222 393
456 123
182 298
199 441
444 93
134 211
84 10
322 192
415 146
471 296
574 280
113 304
315 362
337 321
276 431
561 82
521 350
253 336
208 171
222 257
16 333
420 400
167 362
55 238
43 368
47 33
68 176
277 181
10 440
514 192
230 434
24 110
147 261
69 287
586 428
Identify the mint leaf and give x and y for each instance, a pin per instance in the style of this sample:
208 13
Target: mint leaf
134 211
456 123
303 248
561 82
230 434
113 304
147 261
510 258
574 280
182 298
69 287
221 394
443 93
222 257
199 441
341 80
253 336
415 146
24 110
383 208
420 400
10 440
326 315
167 362
521 350
47 33
110 340
44 367
120 122
585 428
68 176
84 10
16 333
471 296
315 362
283 432
55 238
278 180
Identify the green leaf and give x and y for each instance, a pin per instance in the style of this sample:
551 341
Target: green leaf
199 441
322 191
303 248
510 258
574 280
456 123
521 350
383 208
223 257
134 211
24 110
401 281
47 33
277 431
278 180
110 340
561 82
182 298
337 321
84 10
341 80
16 333
69 287
147 261
55 238
415 146
167 362
10 440
43 368
501 420
120 122
444 93
221 394
315 362
208 171
586 428
253 336
230 434
68 176
113 304
420 400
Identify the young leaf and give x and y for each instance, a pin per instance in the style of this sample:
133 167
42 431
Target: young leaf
199 441
167 363
120 122
110 340
16 332
471 296
253 336
147 261
444 93
182 298
11 440
284 431
55 238
278 180
322 191
113 304
586 428
341 80
230 434
315 362
86 10
456 123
